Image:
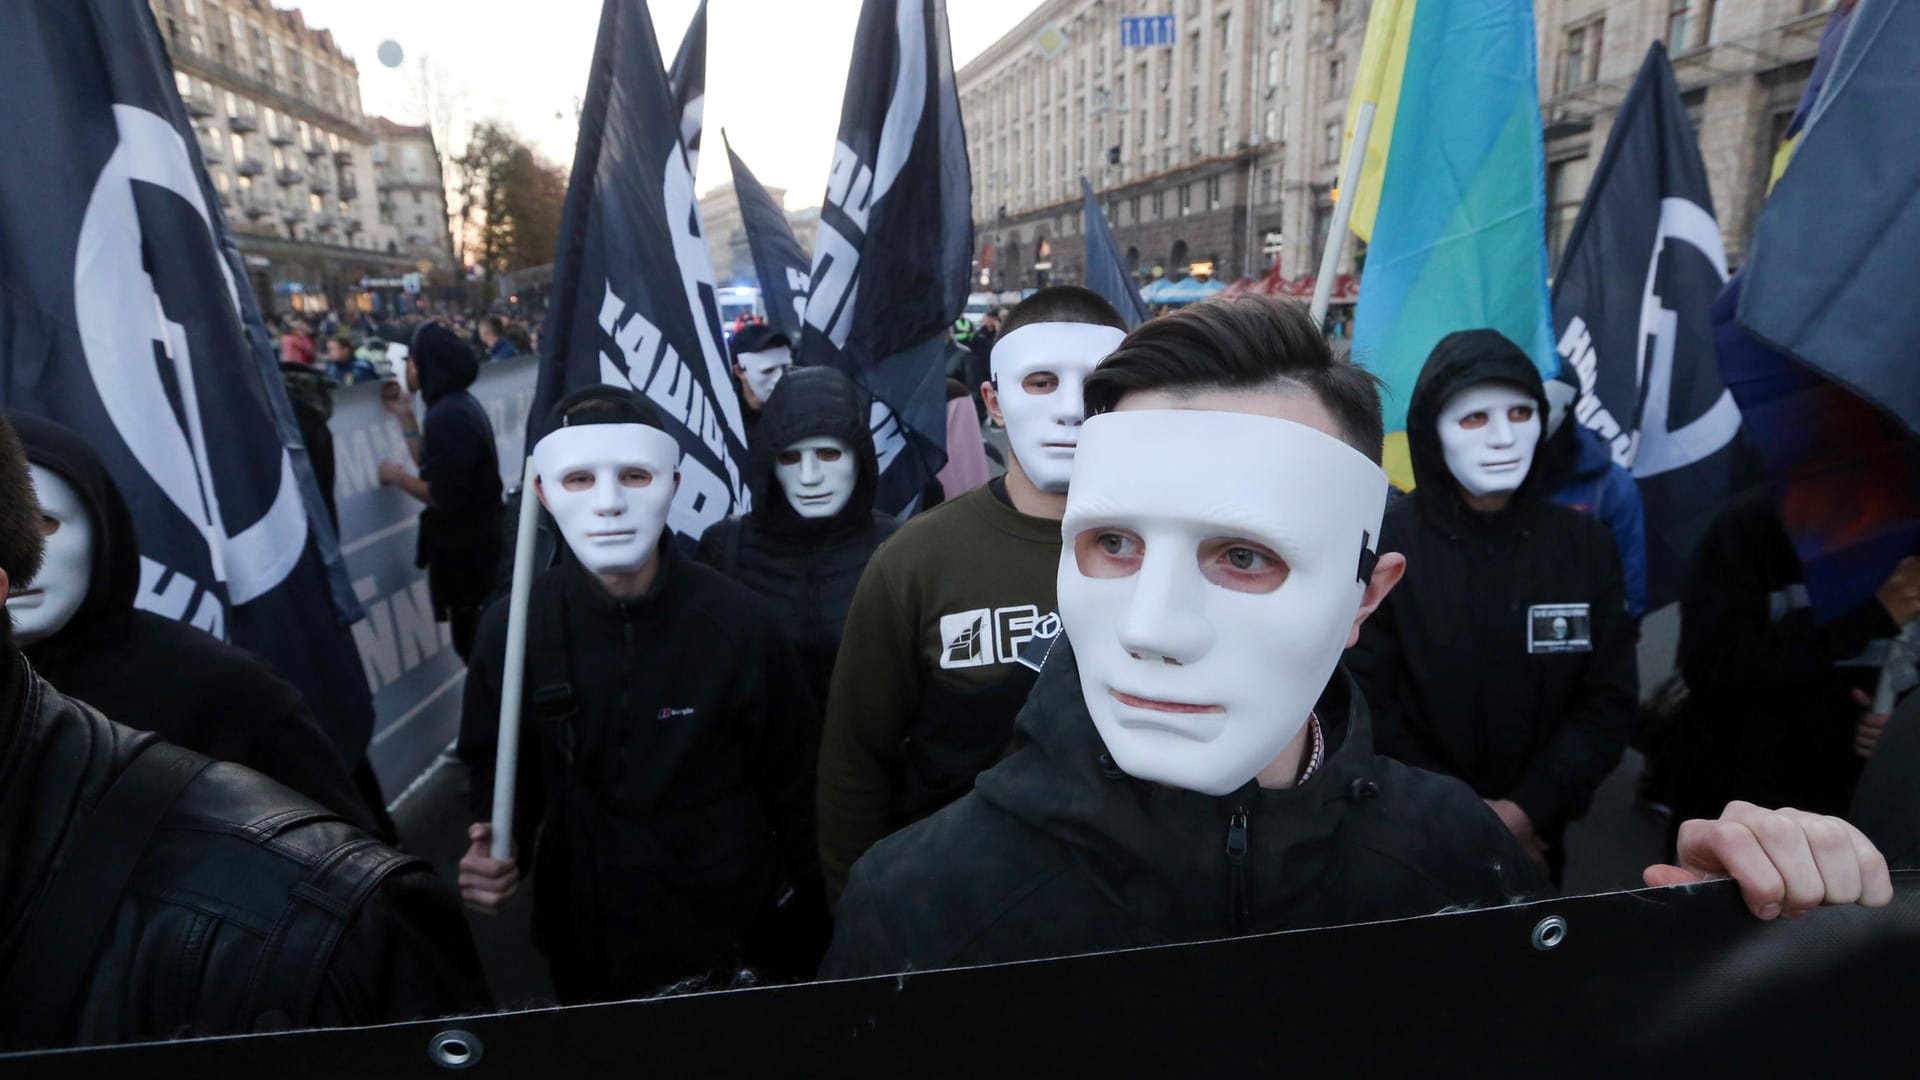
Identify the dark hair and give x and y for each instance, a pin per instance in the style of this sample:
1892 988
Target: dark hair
1247 343
604 404
495 324
1063 303
345 341
21 545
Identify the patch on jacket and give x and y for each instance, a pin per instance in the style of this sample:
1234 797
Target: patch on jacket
1559 628
986 636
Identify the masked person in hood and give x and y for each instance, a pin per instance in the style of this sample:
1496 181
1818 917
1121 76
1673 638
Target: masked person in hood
1195 763
762 356
667 740
138 879
813 528
1507 657
951 616
459 477
1577 471
78 626
310 392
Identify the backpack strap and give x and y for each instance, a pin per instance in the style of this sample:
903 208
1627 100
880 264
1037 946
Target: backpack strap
62 935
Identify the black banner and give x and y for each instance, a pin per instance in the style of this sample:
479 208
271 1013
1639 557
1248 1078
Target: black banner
1660 982
688 77
633 299
125 314
1107 271
777 259
1633 315
895 243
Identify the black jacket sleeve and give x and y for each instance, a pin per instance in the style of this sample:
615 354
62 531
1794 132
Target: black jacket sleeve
479 740
1560 780
407 955
453 455
1375 664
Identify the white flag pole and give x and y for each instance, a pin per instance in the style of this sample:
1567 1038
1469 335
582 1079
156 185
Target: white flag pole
1343 208
507 759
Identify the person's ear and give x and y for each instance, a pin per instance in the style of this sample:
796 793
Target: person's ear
739 370
541 491
6 587
992 397
676 481
1386 574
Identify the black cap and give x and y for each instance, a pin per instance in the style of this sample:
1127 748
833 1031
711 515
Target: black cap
757 337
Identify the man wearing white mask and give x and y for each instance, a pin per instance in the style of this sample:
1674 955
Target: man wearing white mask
812 528
1195 764
1507 657
762 356
945 631
668 737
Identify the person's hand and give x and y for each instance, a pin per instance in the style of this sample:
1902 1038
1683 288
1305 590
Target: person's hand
1786 861
486 883
391 473
397 400
1900 595
1866 733
1521 826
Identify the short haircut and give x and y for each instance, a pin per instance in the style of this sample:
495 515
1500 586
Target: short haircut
1063 303
604 404
1246 343
21 545
343 341
494 323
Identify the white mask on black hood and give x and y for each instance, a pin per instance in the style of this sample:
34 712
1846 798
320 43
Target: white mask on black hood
1488 433
818 475
42 607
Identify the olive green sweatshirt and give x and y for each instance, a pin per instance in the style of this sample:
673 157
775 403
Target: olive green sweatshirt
948 602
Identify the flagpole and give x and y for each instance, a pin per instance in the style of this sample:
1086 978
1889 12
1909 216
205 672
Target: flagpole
507 758
1343 208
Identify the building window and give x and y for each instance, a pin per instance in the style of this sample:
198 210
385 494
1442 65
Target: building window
1213 193
1159 205
1226 89
1712 8
1266 185
1286 65
193 9
1226 33
1566 187
1274 13
1272 127
1333 77
197 43
1333 144
1186 199
1273 68
1193 104
1679 14
1193 53
1573 59
1322 225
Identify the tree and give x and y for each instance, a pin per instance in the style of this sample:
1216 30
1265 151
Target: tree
511 199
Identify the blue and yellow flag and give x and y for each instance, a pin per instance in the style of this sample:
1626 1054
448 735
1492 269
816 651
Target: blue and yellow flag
1452 195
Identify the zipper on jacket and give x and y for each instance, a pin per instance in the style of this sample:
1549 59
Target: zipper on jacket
1237 870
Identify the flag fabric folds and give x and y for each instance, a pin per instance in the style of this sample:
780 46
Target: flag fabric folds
1459 238
778 260
1633 317
126 314
1107 270
1383 64
688 77
895 242
633 300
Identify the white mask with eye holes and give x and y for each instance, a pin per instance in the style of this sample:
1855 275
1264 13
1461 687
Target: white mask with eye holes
818 474
42 607
1038 372
1208 602
1488 433
764 370
609 487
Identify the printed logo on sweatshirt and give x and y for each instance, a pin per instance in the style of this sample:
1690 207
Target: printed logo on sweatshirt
1559 628
986 636
668 714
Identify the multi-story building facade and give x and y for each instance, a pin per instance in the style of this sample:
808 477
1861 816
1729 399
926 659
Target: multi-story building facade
412 206
1220 152
276 108
727 232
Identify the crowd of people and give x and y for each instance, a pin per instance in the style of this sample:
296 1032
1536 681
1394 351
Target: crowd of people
1183 667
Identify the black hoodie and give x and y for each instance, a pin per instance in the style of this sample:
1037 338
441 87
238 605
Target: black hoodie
158 675
1467 665
807 568
1057 852
460 530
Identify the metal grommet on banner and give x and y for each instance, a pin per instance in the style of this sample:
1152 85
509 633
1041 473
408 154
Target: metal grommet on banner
455 1050
1549 932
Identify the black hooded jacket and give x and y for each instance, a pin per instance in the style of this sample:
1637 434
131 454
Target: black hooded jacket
460 531
1466 668
159 675
1056 852
807 569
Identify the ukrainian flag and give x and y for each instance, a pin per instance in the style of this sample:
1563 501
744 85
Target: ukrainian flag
1452 192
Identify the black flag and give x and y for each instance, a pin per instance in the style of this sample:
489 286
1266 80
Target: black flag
1107 270
890 260
1632 311
633 297
688 77
125 314
777 259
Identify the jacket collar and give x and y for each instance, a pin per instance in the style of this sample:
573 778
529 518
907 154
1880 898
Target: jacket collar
586 596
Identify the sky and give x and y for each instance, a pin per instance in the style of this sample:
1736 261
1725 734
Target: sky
776 70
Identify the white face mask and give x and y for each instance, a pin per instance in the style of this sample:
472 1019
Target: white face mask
1488 433
765 369
44 606
1208 600
1038 372
609 487
818 474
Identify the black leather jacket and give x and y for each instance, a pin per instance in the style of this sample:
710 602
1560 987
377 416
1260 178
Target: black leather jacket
250 908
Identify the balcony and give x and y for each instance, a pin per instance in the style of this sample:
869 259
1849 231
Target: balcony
255 207
351 225
387 206
349 188
280 137
315 150
252 166
289 177
293 215
210 152
319 183
242 123
343 158
199 106
326 222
